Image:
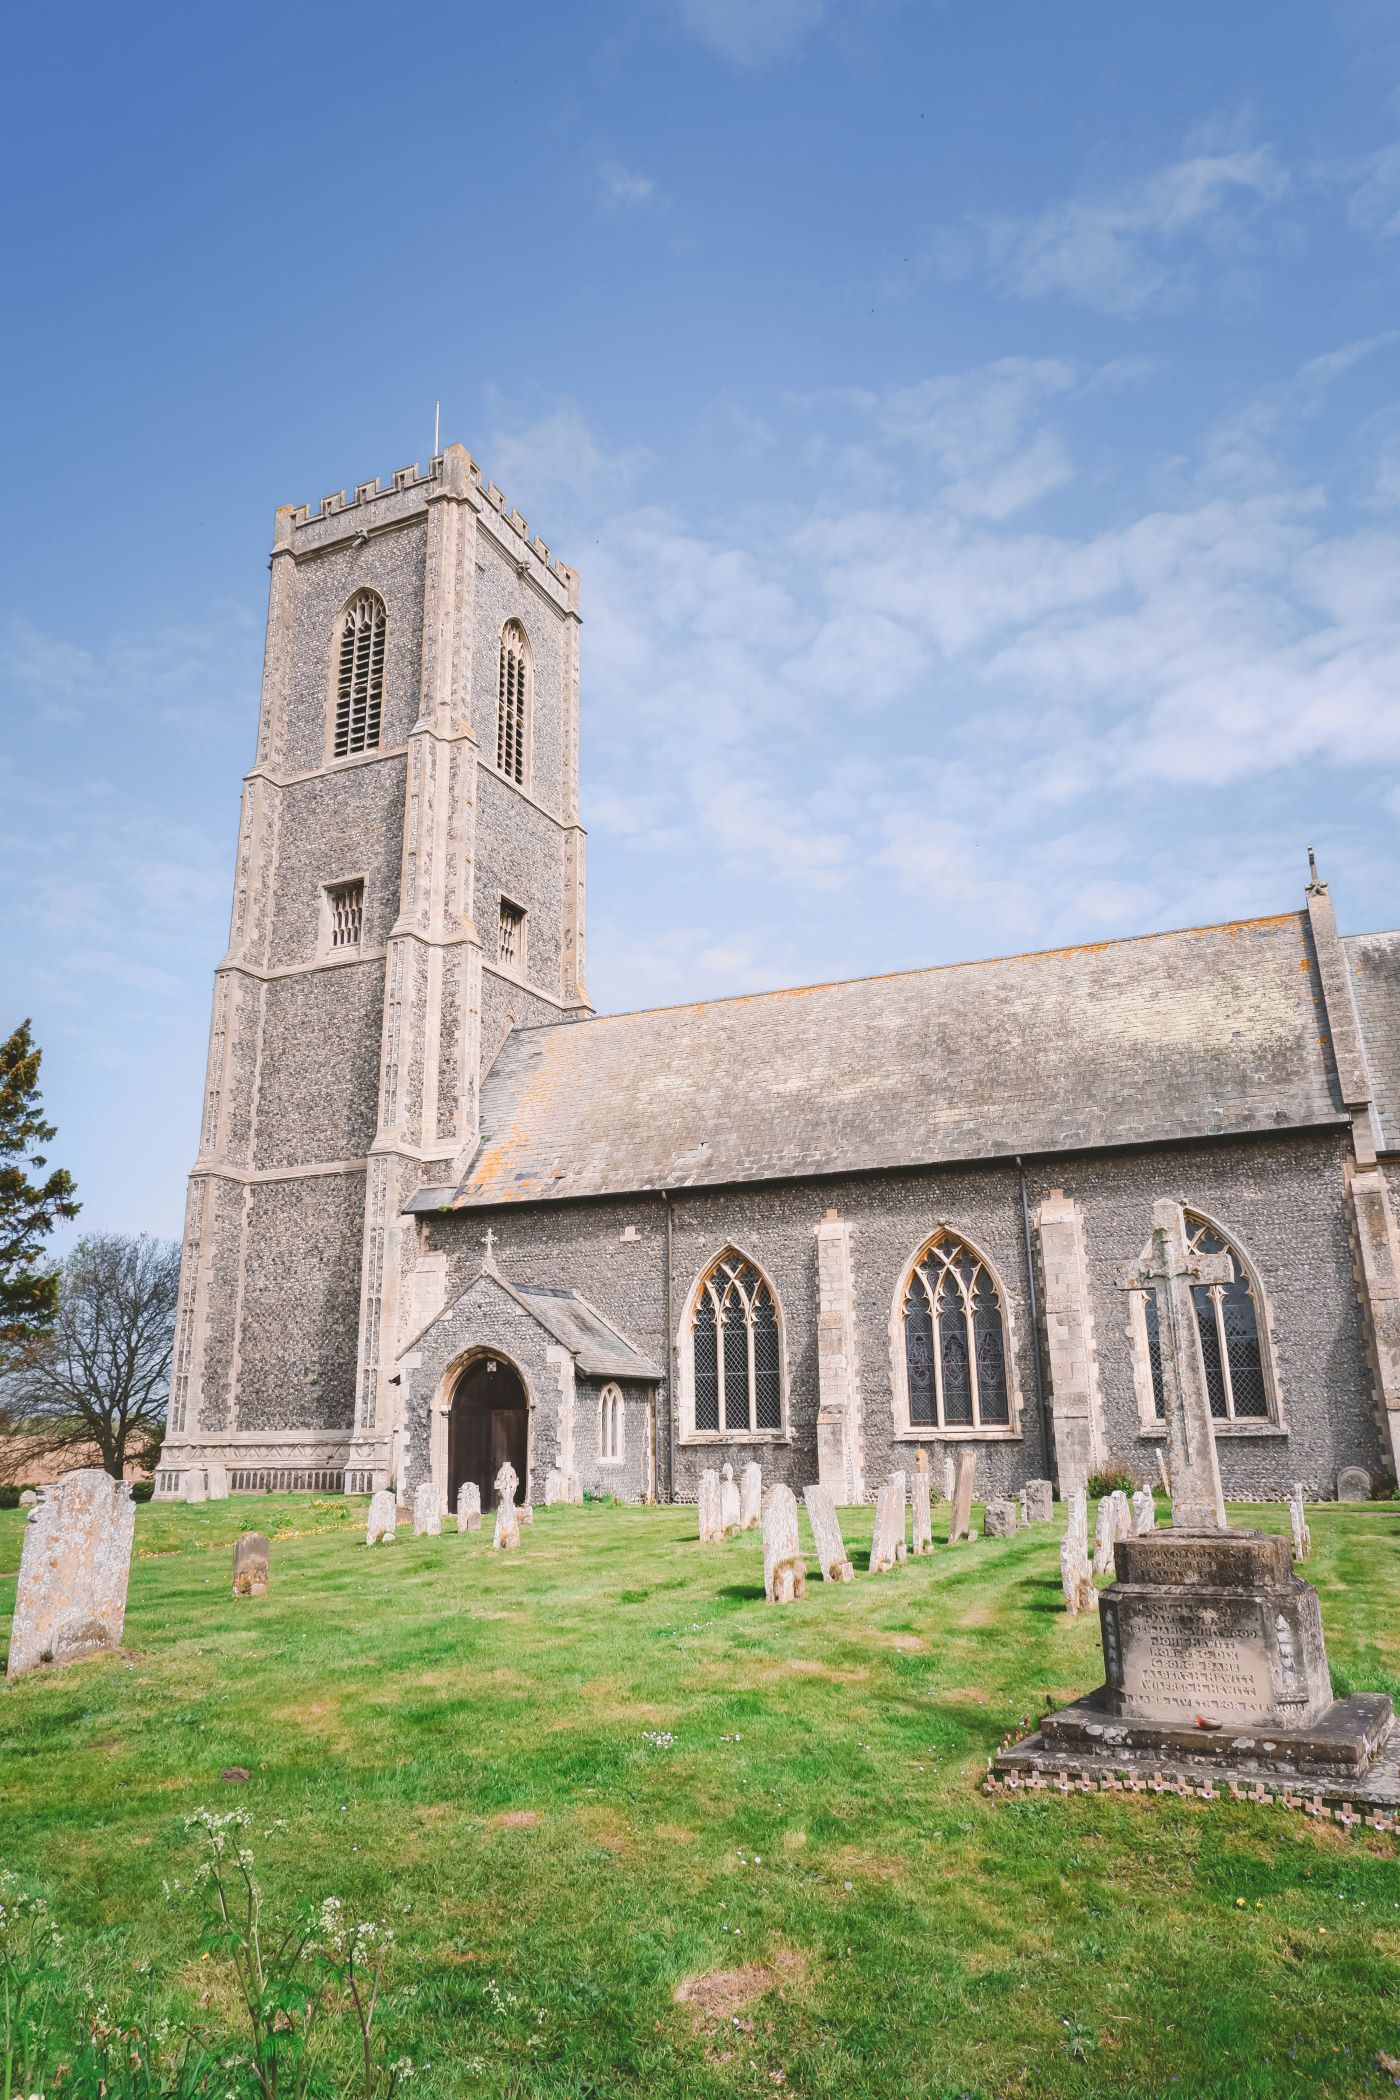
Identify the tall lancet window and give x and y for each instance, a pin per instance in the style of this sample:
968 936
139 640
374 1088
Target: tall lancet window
359 675
954 1340
736 1352
513 715
1238 1380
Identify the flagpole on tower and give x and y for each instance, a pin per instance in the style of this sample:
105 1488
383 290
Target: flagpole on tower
437 417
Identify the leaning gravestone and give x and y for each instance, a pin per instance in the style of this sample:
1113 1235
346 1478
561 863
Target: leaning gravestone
784 1576
826 1535
1105 1536
999 1520
469 1506
751 1497
960 1520
1144 1512
507 1532
216 1483
923 1504
1076 1575
427 1510
251 1557
1353 1484
729 1509
887 1547
711 1528
383 1516
1298 1520
1040 1501
74 1564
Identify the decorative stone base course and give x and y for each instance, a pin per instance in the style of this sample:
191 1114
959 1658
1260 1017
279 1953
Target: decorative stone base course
1370 1799
1340 1744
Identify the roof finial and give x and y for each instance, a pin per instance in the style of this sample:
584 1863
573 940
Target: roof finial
1315 881
489 1243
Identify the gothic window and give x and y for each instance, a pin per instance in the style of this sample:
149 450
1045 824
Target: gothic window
359 675
736 1352
610 1425
510 950
512 719
345 914
1232 1351
954 1340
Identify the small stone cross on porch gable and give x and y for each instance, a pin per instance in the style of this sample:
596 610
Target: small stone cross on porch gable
1170 1268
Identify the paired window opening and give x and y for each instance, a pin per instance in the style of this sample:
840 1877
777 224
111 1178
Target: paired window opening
955 1341
1228 1324
359 688
737 1353
511 719
610 1425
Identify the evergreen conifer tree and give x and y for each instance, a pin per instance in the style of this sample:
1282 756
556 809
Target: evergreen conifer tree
30 1207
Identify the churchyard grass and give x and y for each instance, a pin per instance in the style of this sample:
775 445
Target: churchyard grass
580 1778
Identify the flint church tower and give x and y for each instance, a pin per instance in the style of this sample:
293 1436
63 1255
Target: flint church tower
409 887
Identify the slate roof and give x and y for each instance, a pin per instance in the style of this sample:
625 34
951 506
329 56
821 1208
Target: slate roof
598 1348
1375 983
1204 1032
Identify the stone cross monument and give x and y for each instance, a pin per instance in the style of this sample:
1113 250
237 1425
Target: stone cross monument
1169 1268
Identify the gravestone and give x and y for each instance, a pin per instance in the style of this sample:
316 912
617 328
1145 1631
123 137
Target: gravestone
923 1505
427 1510
1213 1648
526 1512
1023 1515
196 1484
1353 1484
784 1575
887 1547
216 1483
469 1506
729 1512
28 1499
999 1520
1298 1520
507 1532
711 1528
949 1476
573 1488
251 1556
1122 1515
553 1487
383 1517
1144 1512
751 1497
70 1599
960 1519
1040 1501
1076 1575
827 1541
1105 1536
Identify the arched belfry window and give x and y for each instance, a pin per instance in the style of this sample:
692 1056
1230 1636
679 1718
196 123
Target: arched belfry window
513 716
1227 1320
359 675
737 1351
955 1353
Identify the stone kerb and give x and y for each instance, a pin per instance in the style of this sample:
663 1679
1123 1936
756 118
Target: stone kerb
70 1599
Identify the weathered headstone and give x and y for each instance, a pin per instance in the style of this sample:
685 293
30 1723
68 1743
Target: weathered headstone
827 1541
507 1532
1144 1512
526 1512
196 1484
71 1596
251 1556
1076 1575
711 1528
784 1575
999 1520
1023 1515
1105 1536
949 1476
383 1517
751 1497
1122 1515
427 1509
1040 1501
923 1504
960 1520
553 1487
887 1545
729 1509
216 1483
1353 1484
573 1488
1298 1520
469 1506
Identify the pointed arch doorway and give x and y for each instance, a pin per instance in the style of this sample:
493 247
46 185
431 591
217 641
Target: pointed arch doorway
489 1423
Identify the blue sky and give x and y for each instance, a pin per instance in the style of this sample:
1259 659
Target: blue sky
977 427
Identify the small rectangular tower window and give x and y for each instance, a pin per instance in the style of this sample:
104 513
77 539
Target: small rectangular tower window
345 914
511 950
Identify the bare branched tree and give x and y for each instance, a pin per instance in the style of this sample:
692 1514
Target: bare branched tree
98 1378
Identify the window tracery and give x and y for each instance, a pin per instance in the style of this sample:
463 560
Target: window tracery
1232 1347
955 1351
512 718
736 1351
359 684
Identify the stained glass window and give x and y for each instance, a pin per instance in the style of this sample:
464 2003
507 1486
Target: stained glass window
955 1341
737 1351
1232 1352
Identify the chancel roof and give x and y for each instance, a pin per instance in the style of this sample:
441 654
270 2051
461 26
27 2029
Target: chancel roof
1204 1032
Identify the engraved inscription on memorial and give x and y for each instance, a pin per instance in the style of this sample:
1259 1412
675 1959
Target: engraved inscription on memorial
1206 1659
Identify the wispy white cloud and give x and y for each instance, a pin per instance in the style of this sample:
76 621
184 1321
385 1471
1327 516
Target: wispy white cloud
622 188
536 458
751 33
1374 203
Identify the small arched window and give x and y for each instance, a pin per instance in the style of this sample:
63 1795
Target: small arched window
359 675
954 1340
513 715
1227 1321
610 1425
737 1352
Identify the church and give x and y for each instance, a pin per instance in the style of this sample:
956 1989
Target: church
443 1215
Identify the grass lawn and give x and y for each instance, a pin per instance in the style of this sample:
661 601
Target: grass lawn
584 1778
